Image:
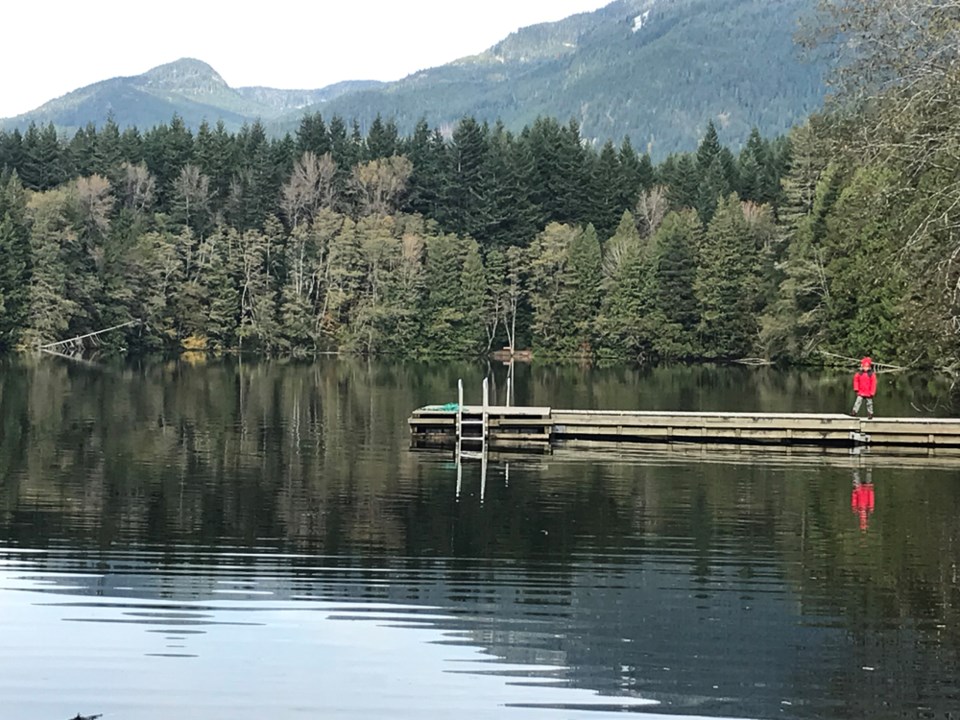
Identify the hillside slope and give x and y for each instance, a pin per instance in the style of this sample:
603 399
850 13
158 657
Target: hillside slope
654 71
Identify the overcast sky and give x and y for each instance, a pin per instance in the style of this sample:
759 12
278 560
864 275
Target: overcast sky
53 47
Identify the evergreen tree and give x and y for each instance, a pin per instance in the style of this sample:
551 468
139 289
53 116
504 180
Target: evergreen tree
558 170
623 322
866 283
11 151
43 164
222 279
444 303
217 156
312 135
468 202
683 178
429 176
709 149
636 174
15 260
793 324
582 286
727 284
112 150
607 183
565 288
83 150
166 149
514 219
383 139
473 297
675 305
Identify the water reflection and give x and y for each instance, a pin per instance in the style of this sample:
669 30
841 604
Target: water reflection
260 541
862 497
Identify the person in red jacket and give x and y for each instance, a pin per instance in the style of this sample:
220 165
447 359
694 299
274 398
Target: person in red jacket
865 385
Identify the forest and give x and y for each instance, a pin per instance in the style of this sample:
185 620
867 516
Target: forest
839 237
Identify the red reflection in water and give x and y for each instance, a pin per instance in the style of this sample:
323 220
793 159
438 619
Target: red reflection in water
862 499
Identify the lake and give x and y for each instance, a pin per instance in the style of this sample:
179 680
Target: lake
258 540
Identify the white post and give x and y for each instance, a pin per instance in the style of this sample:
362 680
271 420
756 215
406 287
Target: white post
459 412
483 474
486 403
508 391
459 473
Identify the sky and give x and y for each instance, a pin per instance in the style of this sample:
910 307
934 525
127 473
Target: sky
57 46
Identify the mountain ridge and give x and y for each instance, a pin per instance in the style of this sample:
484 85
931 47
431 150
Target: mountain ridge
655 71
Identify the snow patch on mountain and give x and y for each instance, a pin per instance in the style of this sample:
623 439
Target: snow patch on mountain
640 20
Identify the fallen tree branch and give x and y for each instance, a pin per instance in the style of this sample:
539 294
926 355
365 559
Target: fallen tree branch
78 338
887 366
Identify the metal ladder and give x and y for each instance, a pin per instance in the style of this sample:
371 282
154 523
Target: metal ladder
471 422
480 439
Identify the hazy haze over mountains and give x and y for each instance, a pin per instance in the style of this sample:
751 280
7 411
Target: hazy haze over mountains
653 70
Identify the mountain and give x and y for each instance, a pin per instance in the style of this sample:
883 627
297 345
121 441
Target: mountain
190 88
655 71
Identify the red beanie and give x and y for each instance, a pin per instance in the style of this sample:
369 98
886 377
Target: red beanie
866 362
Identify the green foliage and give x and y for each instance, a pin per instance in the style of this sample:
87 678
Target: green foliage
15 261
623 325
564 288
675 310
865 282
727 284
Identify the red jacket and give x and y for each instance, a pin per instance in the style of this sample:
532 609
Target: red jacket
865 384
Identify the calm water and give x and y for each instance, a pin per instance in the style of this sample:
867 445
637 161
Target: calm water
258 541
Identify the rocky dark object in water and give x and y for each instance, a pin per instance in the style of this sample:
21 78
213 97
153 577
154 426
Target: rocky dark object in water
86 717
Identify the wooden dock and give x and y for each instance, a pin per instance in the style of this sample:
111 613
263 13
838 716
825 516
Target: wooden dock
531 428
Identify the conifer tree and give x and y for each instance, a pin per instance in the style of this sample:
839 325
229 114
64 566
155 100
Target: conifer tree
468 202
866 284
709 149
216 156
43 165
112 150
15 260
727 284
473 298
513 217
312 135
222 280
444 304
382 140
82 151
608 197
429 176
675 307
622 323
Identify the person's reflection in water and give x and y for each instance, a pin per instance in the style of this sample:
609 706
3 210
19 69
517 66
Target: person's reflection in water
862 498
